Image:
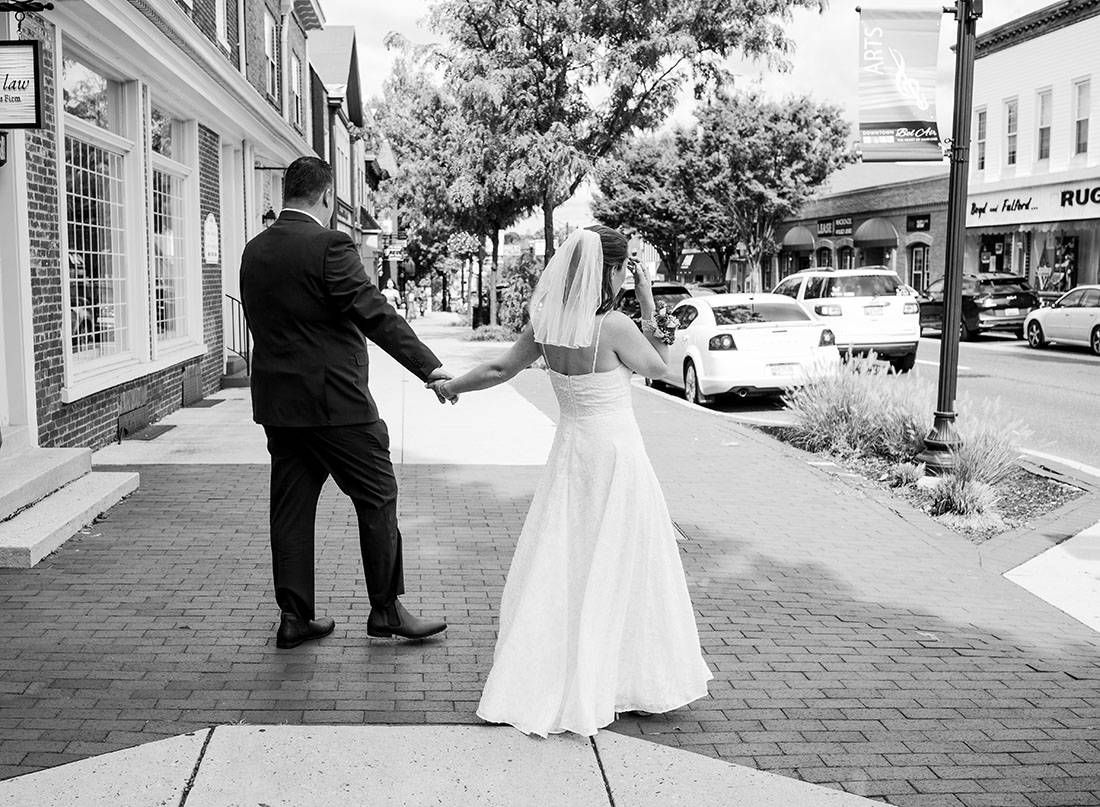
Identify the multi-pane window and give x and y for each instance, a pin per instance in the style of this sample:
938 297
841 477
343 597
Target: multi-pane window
296 89
1012 123
221 21
1045 114
981 138
271 54
1081 111
95 200
918 266
169 176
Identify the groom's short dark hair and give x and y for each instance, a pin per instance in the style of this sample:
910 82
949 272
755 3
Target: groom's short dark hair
306 179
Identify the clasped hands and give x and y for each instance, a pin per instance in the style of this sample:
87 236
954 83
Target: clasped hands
435 383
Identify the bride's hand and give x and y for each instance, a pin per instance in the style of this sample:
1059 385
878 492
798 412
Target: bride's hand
640 273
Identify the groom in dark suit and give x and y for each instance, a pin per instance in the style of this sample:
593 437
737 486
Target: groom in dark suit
309 305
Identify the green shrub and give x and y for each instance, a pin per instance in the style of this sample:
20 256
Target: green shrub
990 440
953 494
492 333
855 411
904 474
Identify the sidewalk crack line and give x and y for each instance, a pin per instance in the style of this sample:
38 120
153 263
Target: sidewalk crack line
603 773
195 771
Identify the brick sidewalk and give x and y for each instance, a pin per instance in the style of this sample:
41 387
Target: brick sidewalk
855 643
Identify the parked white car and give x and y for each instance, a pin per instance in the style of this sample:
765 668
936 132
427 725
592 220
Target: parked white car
746 344
868 309
1074 319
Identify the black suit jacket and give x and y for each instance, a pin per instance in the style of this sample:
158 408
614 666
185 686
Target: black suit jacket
309 304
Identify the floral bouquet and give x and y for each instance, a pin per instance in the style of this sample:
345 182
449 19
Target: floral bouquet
665 324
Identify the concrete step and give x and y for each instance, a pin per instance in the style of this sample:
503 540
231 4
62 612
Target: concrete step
239 379
42 528
34 473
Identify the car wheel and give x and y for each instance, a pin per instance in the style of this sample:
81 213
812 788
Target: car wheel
1094 341
966 333
903 364
1035 336
1018 333
691 385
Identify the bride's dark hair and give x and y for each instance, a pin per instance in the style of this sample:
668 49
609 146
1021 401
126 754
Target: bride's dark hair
614 246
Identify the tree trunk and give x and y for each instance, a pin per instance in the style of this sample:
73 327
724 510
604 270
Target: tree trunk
494 269
548 227
480 290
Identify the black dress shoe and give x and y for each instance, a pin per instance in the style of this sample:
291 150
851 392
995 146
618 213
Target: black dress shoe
294 630
394 620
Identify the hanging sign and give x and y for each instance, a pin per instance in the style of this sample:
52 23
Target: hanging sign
897 85
211 240
20 85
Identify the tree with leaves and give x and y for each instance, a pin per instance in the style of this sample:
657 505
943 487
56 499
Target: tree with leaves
751 163
575 78
642 191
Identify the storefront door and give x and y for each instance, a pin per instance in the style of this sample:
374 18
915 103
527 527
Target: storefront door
991 253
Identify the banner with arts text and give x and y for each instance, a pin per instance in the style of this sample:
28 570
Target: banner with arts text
897 85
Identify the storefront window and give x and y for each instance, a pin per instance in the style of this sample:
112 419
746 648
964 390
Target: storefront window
95 213
161 128
97 264
1057 269
169 262
824 257
846 258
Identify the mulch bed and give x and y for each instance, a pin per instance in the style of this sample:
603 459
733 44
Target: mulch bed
1023 496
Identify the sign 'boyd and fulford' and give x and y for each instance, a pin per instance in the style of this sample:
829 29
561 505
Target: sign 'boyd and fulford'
1067 202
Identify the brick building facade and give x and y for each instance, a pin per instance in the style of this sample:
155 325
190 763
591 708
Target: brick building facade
126 213
864 219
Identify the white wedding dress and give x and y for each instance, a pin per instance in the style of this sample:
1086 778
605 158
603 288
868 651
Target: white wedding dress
595 618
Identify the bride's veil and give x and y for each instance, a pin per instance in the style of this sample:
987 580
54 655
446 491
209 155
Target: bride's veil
563 305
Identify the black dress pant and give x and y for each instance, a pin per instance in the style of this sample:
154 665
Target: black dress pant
357 457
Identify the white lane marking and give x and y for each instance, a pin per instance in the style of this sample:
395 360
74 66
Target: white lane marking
937 364
1091 470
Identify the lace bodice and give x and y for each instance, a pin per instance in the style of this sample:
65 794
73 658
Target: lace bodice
591 394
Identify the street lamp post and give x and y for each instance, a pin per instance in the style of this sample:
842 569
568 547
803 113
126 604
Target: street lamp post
943 440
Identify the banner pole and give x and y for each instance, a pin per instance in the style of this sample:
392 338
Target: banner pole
943 441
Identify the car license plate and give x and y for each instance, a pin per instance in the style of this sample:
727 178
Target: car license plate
874 310
785 370
1012 312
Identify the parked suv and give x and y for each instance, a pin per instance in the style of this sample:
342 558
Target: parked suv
993 301
868 309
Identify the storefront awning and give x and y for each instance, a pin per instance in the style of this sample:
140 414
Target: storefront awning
876 233
798 238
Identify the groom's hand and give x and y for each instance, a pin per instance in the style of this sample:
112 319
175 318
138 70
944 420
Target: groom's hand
438 387
436 380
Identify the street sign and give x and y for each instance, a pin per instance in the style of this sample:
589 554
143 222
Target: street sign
20 85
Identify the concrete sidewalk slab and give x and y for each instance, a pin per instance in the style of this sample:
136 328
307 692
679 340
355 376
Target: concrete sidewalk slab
394 765
1067 576
399 766
154 773
498 427
642 774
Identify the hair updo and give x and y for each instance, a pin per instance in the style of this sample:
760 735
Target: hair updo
614 246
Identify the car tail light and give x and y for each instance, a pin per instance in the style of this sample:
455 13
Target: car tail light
911 308
722 341
828 310
828 338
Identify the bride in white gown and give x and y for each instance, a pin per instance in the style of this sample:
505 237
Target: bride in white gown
595 617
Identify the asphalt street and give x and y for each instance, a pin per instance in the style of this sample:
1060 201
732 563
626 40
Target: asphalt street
1054 393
